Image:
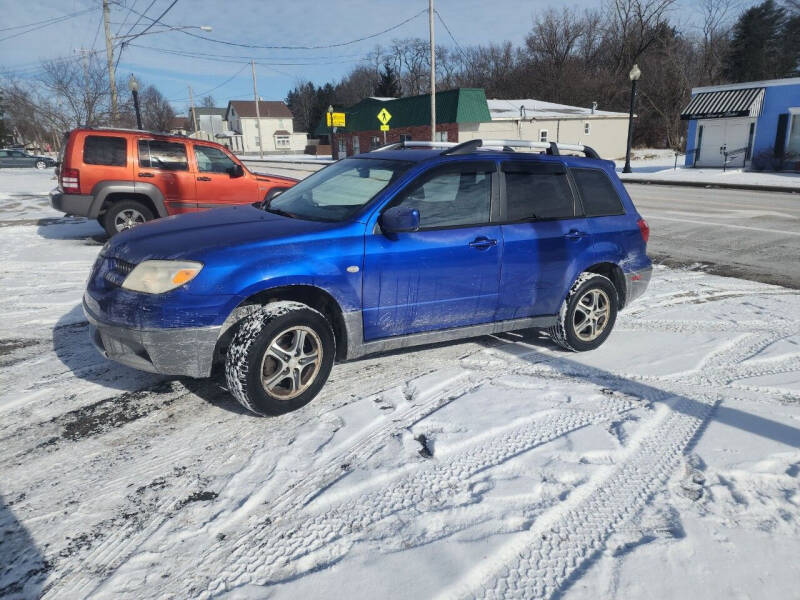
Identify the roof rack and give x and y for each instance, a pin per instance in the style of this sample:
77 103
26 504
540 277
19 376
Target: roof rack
450 148
409 144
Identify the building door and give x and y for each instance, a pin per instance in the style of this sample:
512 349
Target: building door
720 136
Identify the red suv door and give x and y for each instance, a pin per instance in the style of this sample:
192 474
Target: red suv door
165 165
221 181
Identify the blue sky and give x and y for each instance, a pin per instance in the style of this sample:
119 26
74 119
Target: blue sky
272 22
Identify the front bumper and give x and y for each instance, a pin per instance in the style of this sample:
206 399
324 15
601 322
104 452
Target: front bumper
79 205
184 351
636 283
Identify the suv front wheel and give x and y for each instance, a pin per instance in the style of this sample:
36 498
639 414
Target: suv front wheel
125 214
587 315
279 358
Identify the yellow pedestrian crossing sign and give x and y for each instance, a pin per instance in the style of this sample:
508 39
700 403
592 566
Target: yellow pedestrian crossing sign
384 128
384 117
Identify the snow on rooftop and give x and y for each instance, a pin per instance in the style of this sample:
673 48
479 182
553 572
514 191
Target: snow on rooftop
538 109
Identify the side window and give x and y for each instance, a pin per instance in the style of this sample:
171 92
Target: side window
167 156
537 192
597 193
452 196
3 153
212 160
105 150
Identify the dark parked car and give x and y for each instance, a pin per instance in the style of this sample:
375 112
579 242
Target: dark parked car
19 158
389 249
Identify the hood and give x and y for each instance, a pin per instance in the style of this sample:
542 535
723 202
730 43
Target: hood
191 235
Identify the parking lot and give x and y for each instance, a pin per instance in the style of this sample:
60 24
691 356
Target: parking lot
498 466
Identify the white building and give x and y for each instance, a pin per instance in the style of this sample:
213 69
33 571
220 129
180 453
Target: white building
536 120
276 128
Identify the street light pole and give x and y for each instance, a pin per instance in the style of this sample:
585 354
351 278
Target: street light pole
433 72
133 86
634 77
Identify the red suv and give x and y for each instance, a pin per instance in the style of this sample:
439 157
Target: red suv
124 177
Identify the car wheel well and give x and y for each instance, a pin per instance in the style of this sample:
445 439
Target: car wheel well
120 196
315 297
615 274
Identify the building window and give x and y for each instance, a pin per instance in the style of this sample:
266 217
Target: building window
356 145
587 128
793 139
342 147
405 137
543 135
441 136
374 142
281 141
258 141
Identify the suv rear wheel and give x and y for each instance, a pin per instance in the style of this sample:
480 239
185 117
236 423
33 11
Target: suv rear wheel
40 164
587 315
125 214
279 358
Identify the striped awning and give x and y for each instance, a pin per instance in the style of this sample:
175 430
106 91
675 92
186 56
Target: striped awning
744 102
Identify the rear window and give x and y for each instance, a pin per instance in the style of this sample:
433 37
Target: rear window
597 193
105 150
167 156
537 193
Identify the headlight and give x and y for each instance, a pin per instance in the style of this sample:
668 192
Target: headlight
159 276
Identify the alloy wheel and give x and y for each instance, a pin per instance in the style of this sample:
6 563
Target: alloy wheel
591 315
128 219
291 362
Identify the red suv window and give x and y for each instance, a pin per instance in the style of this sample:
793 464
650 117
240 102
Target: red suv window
105 150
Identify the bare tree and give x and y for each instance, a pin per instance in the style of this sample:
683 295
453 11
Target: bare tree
78 89
157 113
208 102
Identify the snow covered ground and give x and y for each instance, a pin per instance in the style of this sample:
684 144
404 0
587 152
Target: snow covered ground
666 464
659 165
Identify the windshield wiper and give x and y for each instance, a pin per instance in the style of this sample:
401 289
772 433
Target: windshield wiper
283 213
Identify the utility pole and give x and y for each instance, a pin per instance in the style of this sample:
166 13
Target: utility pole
433 73
85 56
191 105
258 112
110 57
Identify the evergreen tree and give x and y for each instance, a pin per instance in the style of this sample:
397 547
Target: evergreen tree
757 48
389 85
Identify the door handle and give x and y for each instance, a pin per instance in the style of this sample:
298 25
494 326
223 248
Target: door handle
574 234
204 179
482 243
146 175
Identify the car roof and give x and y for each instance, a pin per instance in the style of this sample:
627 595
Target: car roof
435 155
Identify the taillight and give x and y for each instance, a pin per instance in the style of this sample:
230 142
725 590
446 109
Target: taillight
71 180
645 229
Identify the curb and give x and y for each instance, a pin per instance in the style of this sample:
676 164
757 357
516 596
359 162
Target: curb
721 186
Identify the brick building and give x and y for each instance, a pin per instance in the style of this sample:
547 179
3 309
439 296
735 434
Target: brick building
411 120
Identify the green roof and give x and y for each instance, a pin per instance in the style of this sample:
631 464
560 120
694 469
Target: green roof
462 105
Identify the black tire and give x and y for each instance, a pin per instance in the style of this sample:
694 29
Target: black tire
575 330
40 164
272 193
139 212
251 358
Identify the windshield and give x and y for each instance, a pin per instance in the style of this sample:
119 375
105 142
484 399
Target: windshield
338 191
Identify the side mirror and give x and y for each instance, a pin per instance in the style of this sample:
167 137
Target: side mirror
236 171
399 219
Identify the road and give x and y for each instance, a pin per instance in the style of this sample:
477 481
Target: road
748 234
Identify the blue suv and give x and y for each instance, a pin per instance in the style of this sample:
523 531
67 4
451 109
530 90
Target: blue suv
409 244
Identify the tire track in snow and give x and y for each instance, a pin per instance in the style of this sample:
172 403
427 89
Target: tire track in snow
544 560
272 552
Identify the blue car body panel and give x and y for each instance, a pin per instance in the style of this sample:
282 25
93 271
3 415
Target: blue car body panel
385 285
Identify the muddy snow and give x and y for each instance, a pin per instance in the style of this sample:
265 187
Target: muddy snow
666 464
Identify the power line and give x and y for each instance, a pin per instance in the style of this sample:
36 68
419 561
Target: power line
43 24
47 21
157 20
315 47
452 37
207 92
241 59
